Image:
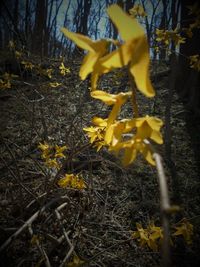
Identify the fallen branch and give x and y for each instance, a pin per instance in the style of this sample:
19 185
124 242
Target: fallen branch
30 221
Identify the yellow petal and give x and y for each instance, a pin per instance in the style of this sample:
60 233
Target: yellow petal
80 40
128 27
109 134
148 155
107 98
99 121
100 48
154 123
157 137
116 59
87 65
139 68
114 112
129 156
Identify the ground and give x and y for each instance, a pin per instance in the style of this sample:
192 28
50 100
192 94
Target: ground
95 223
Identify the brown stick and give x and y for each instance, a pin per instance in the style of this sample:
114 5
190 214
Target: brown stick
165 210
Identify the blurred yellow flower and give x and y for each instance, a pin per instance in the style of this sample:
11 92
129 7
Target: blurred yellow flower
131 148
133 52
96 49
110 99
149 127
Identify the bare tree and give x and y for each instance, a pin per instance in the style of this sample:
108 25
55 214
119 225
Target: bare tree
39 28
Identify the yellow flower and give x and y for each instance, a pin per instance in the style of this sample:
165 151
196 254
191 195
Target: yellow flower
185 229
96 49
55 84
130 149
66 180
96 133
8 76
51 153
5 84
99 122
27 65
110 99
137 10
77 183
151 236
59 151
176 38
73 181
116 130
52 163
149 127
48 73
64 70
134 52
76 262
168 36
141 234
146 128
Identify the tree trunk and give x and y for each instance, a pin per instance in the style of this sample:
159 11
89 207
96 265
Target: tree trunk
189 79
39 30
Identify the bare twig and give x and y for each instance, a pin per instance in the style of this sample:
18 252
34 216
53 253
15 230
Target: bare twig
66 234
30 221
165 210
40 248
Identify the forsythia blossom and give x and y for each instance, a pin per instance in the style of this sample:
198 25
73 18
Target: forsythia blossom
73 181
51 154
126 137
63 70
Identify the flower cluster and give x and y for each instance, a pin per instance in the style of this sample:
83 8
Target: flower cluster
6 79
96 133
137 10
166 37
129 136
27 65
51 154
73 181
152 236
